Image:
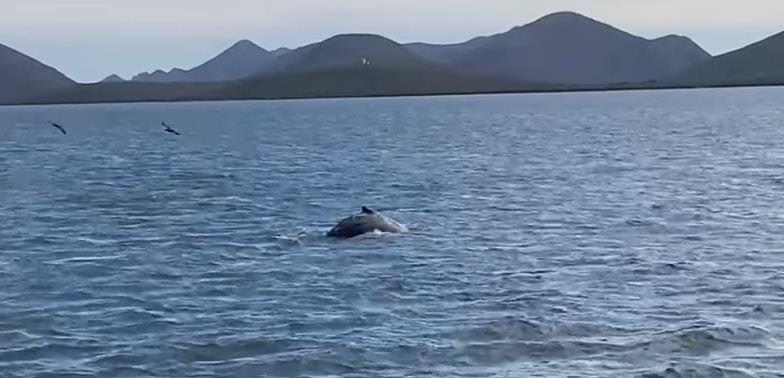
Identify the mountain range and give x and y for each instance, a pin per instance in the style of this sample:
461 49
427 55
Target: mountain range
562 47
561 51
569 48
243 59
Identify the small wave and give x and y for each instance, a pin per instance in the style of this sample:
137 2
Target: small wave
512 339
694 371
204 234
12 336
310 363
117 358
231 199
84 259
639 222
507 329
67 374
125 371
704 340
237 246
522 329
234 349
95 241
505 352
290 239
124 328
47 350
375 235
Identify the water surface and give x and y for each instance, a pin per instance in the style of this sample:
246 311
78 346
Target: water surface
630 234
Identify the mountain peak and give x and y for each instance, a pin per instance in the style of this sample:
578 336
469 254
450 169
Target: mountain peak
561 23
673 38
567 47
280 51
243 59
245 44
358 37
354 51
564 17
681 43
113 79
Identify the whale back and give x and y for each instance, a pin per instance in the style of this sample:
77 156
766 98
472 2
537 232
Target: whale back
364 223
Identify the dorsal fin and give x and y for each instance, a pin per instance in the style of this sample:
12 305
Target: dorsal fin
365 210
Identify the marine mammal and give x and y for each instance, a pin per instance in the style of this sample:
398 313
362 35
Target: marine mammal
366 221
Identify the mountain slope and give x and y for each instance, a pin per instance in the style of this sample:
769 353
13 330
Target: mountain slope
758 63
349 50
22 77
568 48
241 60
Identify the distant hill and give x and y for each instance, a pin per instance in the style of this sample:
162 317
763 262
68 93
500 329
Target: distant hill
357 81
160 76
113 79
22 77
568 48
349 51
758 63
345 81
242 60
280 51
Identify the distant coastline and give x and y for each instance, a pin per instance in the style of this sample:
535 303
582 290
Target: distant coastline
619 88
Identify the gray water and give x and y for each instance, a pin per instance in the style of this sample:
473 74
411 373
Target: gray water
629 234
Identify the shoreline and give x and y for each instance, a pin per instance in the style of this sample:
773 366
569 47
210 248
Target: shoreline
618 88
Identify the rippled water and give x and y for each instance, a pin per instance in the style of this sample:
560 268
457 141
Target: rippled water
629 234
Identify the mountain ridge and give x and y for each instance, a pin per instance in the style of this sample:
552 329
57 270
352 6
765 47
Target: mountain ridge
757 63
567 47
242 59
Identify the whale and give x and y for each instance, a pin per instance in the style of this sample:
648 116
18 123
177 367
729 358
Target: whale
367 221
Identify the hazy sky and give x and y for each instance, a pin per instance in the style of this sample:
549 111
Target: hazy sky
90 39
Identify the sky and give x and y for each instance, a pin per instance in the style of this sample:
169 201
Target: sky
90 39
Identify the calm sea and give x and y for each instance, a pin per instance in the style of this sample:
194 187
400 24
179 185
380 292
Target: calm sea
625 234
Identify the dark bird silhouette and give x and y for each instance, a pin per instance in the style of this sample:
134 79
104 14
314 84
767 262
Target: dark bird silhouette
62 130
168 129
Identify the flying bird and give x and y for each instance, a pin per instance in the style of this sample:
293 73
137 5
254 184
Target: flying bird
168 129
62 130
